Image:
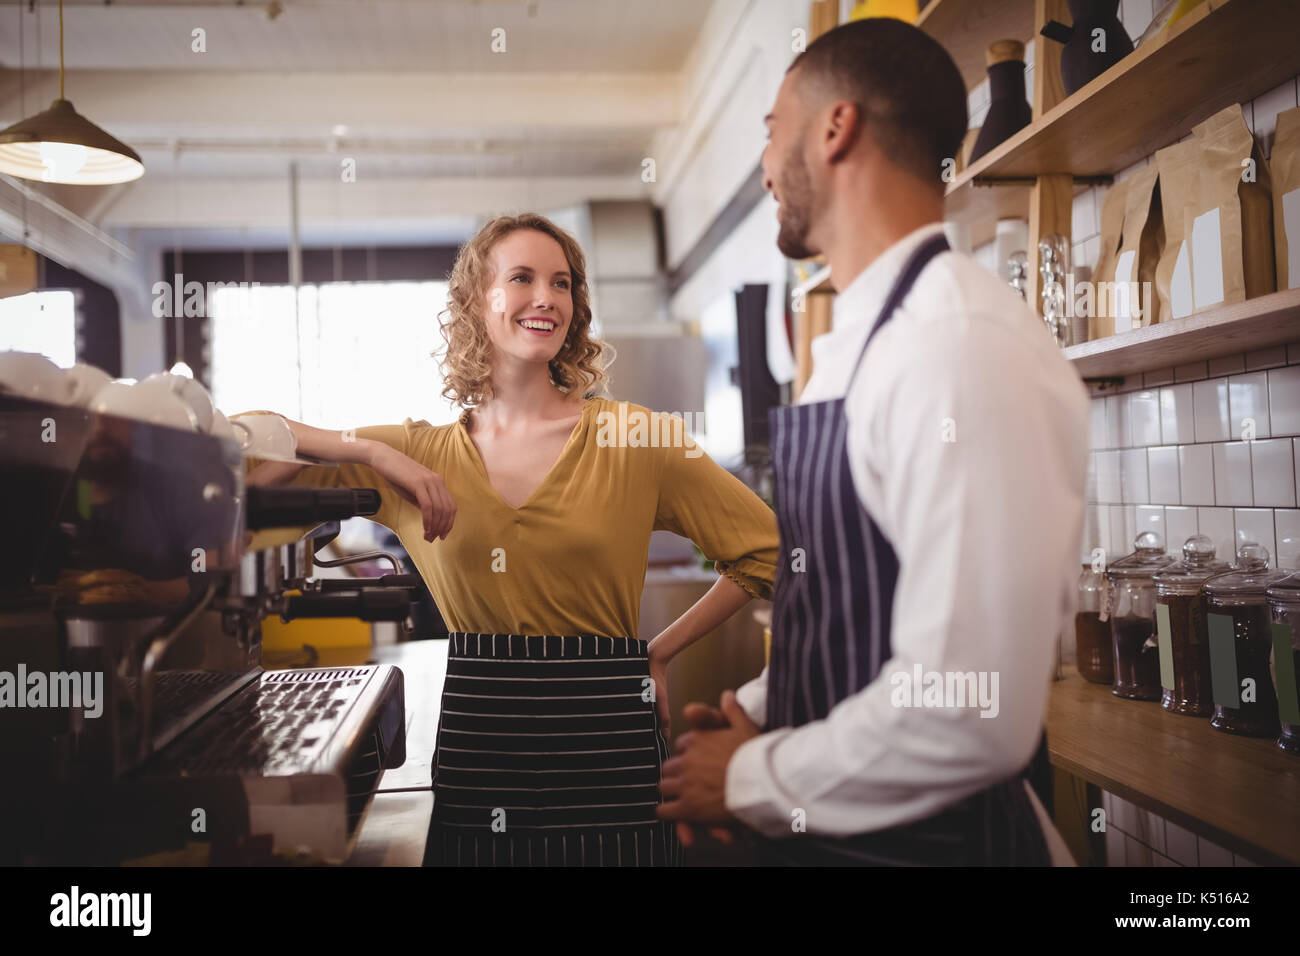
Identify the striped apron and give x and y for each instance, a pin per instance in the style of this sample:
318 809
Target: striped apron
548 754
831 635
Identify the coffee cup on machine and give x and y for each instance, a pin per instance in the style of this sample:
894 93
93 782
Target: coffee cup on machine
267 437
189 391
86 380
154 404
32 375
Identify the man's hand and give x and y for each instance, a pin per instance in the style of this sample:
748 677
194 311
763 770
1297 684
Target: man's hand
694 783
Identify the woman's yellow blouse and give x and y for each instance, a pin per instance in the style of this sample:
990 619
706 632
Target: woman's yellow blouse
571 559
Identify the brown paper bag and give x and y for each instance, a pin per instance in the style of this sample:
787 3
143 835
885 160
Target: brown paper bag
1177 168
1284 167
1228 221
1101 320
1132 295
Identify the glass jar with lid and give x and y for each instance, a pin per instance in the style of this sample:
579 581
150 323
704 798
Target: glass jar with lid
1184 650
1284 613
1241 642
1094 657
1130 605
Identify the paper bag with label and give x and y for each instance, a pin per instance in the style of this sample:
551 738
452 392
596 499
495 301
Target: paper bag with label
1132 293
1284 167
1228 221
1177 168
1101 318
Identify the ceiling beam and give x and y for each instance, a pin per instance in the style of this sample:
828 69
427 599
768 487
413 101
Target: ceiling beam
415 104
225 204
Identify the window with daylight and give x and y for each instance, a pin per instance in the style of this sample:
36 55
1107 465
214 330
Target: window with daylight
358 353
44 322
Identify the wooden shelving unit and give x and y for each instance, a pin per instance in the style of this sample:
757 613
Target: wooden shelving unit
1254 324
1240 792
816 284
1148 100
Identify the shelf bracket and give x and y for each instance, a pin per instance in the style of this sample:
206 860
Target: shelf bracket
1104 383
1104 179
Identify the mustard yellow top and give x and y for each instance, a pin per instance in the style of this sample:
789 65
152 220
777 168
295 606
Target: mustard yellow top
571 559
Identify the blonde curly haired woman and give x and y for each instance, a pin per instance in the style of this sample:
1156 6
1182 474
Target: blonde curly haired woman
530 520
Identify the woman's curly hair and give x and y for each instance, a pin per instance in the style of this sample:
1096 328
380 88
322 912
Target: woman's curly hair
466 362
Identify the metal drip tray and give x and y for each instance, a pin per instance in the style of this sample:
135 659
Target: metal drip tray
295 755
283 724
180 698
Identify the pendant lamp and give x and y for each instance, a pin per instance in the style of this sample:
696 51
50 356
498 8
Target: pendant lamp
62 146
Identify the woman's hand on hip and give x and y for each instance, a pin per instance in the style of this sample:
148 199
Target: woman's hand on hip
659 674
418 485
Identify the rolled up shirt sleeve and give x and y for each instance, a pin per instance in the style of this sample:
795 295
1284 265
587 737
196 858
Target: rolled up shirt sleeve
702 501
752 697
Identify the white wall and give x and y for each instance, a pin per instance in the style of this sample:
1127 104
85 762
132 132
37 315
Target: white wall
729 84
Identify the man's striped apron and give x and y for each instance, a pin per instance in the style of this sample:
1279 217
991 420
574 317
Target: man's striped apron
831 635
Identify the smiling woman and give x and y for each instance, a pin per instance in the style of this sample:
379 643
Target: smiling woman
531 527
528 279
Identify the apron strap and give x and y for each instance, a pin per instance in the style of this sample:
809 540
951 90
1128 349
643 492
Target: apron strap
902 285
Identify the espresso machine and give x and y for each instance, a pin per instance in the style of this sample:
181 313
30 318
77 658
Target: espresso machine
136 720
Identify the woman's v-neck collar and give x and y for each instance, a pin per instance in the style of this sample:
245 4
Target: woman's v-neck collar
579 430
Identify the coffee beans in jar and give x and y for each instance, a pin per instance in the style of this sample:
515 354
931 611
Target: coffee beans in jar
1094 657
1130 607
1284 619
1184 650
1241 642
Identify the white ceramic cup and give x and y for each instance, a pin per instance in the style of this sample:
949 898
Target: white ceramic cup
189 391
86 380
269 437
237 431
156 405
32 375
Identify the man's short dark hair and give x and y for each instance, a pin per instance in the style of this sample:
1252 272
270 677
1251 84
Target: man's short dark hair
908 90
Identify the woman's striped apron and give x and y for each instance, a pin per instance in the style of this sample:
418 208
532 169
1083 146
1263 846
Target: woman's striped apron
548 754
831 635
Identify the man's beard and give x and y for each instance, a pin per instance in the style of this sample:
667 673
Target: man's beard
796 204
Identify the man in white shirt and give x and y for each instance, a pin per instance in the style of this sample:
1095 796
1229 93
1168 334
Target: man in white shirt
930 494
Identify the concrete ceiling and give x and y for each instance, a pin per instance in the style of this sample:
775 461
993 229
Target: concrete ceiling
443 130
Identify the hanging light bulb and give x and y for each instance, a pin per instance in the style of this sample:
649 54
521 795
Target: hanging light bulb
62 146
63 161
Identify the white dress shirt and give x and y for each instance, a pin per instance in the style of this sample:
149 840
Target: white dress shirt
968 440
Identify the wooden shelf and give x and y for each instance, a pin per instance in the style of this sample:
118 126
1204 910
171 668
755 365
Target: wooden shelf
1240 792
965 28
1254 324
1223 52
816 284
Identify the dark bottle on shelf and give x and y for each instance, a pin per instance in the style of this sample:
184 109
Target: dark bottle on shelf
1241 643
1130 607
1180 629
1093 44
1009 111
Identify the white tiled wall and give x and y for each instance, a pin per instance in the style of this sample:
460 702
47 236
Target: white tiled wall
1172 458
1137 837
